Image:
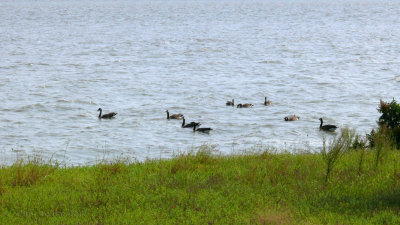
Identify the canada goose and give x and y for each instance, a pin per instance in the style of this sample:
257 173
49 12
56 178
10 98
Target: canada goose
203 130
174 116
326 127
231 103
106 116
191 124
247 105
292 118
267 102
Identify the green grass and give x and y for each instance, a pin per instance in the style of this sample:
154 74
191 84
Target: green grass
202 188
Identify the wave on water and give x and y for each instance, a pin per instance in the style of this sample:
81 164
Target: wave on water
271 62
74 65
78 101
30 107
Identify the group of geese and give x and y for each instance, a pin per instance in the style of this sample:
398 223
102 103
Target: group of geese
267 102
195 125
192 124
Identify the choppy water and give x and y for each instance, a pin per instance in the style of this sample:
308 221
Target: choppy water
62 60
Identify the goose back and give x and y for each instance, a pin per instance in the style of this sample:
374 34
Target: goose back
292 118
203 130
247 105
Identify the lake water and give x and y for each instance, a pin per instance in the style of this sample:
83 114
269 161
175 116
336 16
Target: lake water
62 60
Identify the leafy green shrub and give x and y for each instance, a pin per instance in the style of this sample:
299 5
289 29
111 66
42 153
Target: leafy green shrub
390 120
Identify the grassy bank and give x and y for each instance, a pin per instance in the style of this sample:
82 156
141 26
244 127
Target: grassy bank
201 188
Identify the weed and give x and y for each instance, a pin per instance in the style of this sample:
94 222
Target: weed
336 148
361 160
26 174
382 145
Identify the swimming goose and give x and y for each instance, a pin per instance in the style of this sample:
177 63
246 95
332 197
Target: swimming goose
292 118
231 103
247 105
326 127
174 116
191 124
106 116
267 102
203 130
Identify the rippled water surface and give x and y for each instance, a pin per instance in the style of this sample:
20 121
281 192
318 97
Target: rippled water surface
62 60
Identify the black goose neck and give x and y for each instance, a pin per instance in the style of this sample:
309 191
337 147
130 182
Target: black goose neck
100 112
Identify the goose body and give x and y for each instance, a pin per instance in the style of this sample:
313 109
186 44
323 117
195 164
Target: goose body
106 116
174 116
247 105
267 102
292 118
203 130
191 124
231 103
327 127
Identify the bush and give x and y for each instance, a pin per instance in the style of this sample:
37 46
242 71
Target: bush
390 120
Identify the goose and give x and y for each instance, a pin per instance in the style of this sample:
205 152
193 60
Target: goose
106 116
292 118
231 103
326 127
203 130
247 105
174 116
267 102
191 124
